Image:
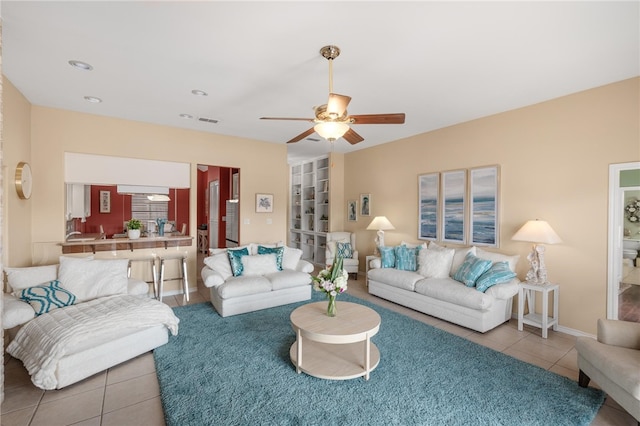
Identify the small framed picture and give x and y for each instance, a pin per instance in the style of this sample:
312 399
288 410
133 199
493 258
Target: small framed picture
352 210
365 204
105 201
264 203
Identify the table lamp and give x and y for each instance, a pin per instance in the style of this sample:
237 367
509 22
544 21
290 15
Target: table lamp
380 223
537 232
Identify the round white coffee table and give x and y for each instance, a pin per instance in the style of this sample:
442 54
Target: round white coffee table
337 348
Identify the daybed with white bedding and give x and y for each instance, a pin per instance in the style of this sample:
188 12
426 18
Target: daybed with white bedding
81 318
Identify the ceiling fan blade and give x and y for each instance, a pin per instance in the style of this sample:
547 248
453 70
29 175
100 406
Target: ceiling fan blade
337 104
352 137
378 118
302 135
287 118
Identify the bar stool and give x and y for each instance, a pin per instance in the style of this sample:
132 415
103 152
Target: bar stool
203 243
154 275
182 269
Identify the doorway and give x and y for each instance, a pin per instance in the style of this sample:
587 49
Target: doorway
623 281
217 187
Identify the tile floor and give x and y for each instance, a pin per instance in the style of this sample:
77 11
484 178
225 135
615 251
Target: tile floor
128 394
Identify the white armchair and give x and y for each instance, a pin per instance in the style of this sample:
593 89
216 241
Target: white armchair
350 264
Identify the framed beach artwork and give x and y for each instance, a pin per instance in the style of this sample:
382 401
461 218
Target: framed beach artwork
264 203
105 201
352 210
453 206
365 204
428 188
484 190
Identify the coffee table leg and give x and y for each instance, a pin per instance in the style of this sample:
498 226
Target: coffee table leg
299 349
367 357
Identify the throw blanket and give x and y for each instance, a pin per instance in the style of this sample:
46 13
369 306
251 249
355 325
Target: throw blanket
43 341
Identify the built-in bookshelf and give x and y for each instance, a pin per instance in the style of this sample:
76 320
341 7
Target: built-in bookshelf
309 208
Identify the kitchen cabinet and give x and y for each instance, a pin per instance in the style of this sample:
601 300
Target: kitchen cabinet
78 201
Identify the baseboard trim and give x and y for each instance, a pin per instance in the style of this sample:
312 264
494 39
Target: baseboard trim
562 329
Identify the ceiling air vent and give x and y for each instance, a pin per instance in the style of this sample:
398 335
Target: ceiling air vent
207 120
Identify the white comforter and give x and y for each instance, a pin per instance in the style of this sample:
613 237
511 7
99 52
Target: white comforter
43 341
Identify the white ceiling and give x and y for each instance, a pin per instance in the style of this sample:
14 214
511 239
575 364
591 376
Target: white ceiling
441 63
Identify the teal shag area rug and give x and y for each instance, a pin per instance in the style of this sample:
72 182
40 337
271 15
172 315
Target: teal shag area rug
237 371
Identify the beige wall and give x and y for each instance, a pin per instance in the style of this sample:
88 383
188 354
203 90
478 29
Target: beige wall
554 159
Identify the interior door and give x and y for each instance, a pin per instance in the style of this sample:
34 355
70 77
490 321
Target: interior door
214 212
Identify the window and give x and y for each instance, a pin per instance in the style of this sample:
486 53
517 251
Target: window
145 210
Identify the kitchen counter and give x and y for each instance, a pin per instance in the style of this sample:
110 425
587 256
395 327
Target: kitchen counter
85 245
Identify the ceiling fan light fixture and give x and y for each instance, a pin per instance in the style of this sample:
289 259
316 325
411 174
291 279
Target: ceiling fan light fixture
331 130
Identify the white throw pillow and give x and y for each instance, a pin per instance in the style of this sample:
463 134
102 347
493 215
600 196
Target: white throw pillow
219 263
90 279
259 264
435 262
15 312
21 278
291 257
498 257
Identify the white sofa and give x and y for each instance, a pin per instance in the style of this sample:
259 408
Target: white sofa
263 280
432 289
67 322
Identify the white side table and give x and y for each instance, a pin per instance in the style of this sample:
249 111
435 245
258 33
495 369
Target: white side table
542 320
366 268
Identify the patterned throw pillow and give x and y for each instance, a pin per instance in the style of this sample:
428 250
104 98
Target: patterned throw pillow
407 258
235 259
387 257
47 297
278 251
345 250
471 269
498 273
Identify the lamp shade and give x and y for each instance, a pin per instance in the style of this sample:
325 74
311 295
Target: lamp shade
331 130
537 231
380 223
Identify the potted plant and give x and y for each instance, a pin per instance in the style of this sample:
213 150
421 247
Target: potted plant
133 229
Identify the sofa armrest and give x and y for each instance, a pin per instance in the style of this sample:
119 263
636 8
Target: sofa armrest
375 263
619 333
211 278
505 290
15 311
304 266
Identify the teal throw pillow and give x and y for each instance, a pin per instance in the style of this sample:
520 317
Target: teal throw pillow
497 274
345 250
471 269
235 259
278 251
47 297
407 258
387 257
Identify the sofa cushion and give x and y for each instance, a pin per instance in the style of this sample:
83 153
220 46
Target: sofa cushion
498 273
388 257
219 262
471 269
92 278
235 256
405 280
407 258
15 312
19 278
259 264
243 285
498 257
278 251
449 290
288 279
435 262
291 257
47 297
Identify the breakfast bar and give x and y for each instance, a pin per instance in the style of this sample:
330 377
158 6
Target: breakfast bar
83 245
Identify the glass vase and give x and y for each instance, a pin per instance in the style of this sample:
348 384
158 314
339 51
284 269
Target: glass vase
331 307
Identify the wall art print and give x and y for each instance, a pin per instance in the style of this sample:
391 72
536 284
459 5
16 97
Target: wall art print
484 190
352 210
365 204
105 201
264 203
428 188
454 185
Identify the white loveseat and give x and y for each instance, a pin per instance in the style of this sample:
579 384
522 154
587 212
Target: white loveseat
256 276
432 289
67 322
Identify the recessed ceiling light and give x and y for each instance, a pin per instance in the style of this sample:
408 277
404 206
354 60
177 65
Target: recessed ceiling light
92 99
199 92
186 116
81 65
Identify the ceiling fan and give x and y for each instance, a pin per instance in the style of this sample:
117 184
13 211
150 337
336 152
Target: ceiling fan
332 120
